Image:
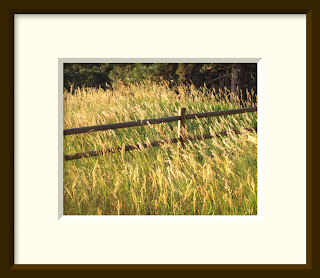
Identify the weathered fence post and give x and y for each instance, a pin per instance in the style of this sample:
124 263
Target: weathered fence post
181 130
182 127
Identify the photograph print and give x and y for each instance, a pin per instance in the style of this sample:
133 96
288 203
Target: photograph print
160 139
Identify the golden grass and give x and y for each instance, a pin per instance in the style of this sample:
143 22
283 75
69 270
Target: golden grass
216 176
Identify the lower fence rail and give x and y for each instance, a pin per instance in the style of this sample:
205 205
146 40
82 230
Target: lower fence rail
153 144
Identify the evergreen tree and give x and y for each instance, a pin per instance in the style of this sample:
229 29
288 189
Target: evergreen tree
234 77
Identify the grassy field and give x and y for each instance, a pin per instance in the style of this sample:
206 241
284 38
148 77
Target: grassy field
216 176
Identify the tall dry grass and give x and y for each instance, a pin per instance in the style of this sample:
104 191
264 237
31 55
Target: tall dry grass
216 176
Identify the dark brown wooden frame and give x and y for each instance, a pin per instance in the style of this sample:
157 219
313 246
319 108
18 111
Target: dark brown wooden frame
8 268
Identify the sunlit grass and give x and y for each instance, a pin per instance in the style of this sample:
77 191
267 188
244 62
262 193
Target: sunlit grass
216 176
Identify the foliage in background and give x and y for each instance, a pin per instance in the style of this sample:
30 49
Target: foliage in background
85 75
210 75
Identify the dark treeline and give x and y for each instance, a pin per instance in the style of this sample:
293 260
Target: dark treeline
234 77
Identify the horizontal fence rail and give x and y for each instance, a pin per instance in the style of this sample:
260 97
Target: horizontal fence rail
181 130
87 129
153 144
220 113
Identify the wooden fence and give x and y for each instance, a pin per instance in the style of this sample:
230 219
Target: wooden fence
181 118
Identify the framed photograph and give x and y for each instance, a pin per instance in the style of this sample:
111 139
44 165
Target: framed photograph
158 137
161 141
